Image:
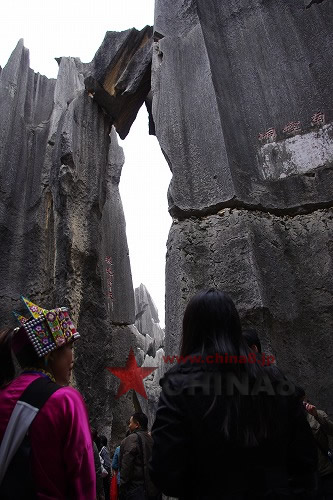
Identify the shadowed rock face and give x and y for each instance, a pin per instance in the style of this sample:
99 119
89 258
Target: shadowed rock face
62 227
242 76
242 105
26 204
119 76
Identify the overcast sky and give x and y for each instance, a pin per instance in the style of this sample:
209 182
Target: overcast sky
77 28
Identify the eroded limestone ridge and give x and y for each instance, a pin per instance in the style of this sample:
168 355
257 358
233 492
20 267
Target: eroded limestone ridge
62 227
243 111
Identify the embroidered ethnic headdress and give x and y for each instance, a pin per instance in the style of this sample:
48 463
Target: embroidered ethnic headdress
45 330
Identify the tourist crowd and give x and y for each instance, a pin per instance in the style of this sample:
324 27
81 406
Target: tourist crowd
257 436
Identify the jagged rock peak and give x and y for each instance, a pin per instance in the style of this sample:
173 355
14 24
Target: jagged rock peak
144 303
146 318
120 73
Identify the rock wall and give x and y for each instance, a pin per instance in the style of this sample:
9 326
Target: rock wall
150 342
62 227
241 103
243 111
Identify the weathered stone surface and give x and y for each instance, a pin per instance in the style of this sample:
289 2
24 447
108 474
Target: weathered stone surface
242 107
146 318
26 210
181 76
151 350
308 3
279 272
118 278
119 76
69 84
229 77
152 385
145 309
62 227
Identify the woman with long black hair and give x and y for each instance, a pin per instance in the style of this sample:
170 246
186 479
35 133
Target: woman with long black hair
228 425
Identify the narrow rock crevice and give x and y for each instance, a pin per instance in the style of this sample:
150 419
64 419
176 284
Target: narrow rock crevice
309 3
120 324
180 215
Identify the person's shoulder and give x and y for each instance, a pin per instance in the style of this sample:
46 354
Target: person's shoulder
179 370
21 382
64 413
173 378
146 436
129 441
68 393
66 398
131 438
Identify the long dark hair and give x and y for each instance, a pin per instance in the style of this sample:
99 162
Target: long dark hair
211 324
7 367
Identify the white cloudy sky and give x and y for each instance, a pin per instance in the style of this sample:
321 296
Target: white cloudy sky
77 28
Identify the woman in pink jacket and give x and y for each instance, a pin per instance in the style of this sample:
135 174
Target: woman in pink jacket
45 441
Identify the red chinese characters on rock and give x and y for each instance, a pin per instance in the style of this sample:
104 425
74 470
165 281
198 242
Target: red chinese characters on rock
318 119
292 128
109 276
270 135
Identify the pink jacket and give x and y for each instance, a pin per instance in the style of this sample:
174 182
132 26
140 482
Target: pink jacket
61 444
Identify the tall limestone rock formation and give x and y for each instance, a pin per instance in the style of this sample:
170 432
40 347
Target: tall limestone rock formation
150 339
243 111
242 106
62 227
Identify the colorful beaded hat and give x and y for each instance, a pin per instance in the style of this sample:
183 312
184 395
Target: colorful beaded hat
45 330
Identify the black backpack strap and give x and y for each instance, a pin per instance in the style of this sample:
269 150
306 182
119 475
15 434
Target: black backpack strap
27 407
39 391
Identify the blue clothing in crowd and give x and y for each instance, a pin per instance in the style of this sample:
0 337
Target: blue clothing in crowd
115 463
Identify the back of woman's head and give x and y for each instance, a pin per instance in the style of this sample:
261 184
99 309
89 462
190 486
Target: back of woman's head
7 367
211 321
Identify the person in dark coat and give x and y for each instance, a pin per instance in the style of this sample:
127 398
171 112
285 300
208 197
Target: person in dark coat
227 429
134 455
